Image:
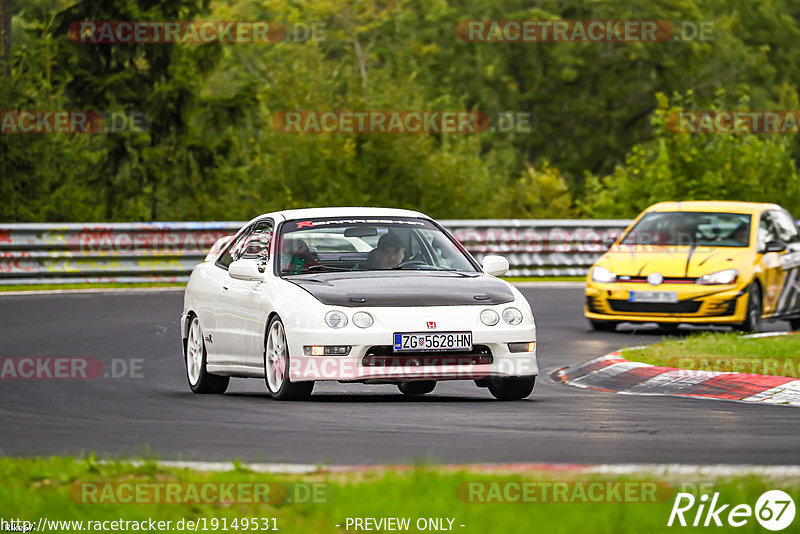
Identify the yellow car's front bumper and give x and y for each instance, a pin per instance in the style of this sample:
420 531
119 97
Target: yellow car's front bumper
696 303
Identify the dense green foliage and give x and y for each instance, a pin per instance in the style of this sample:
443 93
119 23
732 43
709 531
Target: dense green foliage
699 166
598 147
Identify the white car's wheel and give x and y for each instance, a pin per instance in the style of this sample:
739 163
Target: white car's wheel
507 389
416 388
276 366
199 379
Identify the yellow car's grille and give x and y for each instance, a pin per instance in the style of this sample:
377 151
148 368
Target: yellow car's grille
686 306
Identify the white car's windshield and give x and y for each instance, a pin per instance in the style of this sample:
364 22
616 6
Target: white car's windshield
367 244
688 228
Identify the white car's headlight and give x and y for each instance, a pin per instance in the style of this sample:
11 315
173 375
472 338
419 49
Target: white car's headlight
363 320
512 316
728 276
335 319
489 317
603 275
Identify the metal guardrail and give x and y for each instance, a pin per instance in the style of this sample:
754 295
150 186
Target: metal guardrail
167 252
538 247
105 252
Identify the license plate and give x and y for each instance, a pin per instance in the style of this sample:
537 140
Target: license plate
653 296
429 342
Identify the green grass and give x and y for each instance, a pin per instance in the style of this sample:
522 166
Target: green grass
34 488
47 287
712 351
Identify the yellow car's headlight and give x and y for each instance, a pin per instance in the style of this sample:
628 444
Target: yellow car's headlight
728 276
603 275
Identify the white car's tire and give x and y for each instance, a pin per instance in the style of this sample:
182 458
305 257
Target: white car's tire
420 387
276 366
508 389
200 380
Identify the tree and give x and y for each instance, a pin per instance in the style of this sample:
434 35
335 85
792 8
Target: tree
144 171
696 166
540 194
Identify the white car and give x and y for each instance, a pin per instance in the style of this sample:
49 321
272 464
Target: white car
355 295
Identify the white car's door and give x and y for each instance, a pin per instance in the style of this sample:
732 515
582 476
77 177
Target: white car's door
240 322
206 281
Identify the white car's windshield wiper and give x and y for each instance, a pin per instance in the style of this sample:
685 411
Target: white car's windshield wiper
432 268
316 269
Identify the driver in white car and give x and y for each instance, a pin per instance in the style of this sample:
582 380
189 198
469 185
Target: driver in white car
388 254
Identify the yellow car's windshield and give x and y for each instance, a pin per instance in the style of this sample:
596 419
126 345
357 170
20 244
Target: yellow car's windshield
691 228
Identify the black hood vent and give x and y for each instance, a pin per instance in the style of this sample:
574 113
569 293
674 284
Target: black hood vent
404 289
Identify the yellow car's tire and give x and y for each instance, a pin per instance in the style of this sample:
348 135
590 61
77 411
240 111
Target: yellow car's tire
752 321
603 326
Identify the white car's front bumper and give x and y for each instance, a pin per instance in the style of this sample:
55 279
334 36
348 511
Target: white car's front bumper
371 356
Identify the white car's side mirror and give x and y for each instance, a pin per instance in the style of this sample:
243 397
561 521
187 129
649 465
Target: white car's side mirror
495 265
245 270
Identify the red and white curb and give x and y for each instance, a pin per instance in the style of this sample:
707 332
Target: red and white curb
617 375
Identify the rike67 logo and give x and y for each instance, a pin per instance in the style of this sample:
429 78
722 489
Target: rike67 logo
774 510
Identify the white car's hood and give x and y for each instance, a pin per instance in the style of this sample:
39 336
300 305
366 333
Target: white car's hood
404 288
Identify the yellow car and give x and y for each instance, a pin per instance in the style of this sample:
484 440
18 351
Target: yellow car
714 262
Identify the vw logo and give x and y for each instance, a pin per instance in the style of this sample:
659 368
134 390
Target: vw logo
654 279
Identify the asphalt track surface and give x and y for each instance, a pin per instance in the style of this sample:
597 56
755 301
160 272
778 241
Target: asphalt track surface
157 415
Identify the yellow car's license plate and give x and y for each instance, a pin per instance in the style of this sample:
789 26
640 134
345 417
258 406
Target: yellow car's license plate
653 296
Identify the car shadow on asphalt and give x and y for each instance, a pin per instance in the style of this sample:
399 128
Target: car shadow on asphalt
350 398
651 329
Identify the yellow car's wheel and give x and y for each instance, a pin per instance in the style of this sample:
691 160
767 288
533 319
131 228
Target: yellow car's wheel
603 326
752 321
